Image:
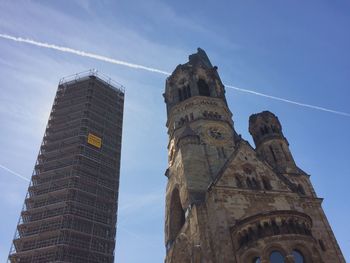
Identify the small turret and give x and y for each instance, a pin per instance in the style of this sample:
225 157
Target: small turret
270 142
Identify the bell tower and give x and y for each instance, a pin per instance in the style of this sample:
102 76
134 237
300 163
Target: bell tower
227 202
201 136
196 105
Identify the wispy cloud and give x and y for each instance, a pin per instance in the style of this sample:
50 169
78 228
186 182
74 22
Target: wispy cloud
14 173
159 71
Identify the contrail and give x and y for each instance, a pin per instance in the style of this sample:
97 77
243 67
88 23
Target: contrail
82 53
14 173
136 66
289 101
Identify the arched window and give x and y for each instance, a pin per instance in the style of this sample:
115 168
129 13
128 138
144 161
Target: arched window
249 183
255 183
188 91
203 88
266 129
238 182
262 131
266 183
256 260
180 95
275 228
301 189
298 256
177 215
273 153
323 247
276 257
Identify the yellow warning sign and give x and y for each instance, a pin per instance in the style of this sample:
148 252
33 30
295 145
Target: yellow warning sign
94 140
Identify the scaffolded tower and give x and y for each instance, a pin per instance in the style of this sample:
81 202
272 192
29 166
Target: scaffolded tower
70 210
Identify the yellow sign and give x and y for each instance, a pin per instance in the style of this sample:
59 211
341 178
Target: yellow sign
94 140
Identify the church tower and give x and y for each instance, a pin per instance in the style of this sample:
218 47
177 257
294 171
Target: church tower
227 202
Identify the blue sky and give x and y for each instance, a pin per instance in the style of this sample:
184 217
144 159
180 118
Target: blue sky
291 49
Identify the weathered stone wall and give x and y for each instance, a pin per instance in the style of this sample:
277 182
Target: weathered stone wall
227 202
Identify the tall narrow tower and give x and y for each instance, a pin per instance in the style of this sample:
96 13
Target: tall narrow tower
70 211
227 202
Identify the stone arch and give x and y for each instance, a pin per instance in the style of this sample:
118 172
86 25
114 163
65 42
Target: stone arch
274 247
305 251
176 215
250 255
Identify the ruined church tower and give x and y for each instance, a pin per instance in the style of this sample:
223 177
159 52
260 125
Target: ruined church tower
227 202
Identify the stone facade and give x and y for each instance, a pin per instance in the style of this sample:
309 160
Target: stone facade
227 202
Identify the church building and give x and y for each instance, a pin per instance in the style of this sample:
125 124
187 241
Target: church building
226 201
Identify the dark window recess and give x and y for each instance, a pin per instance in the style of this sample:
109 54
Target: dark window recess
264 130
249 183
247 170
184 93
239 182
273 153
203 88
188 91
298 256
276 257
212 115
266 184
177 215
255 183
301 189
180 95
323 247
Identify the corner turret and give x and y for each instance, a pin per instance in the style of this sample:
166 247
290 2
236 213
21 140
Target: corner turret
270 142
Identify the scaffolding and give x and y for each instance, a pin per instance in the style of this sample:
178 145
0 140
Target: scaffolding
70 210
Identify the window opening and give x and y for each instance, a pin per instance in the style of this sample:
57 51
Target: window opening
323 247
180 95
203 88
298 256
255 183
249 183
238 182
188 91
266 183
273 153
301 189
177 215
276 257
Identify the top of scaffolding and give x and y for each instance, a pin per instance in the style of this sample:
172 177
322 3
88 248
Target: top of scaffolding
92 73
